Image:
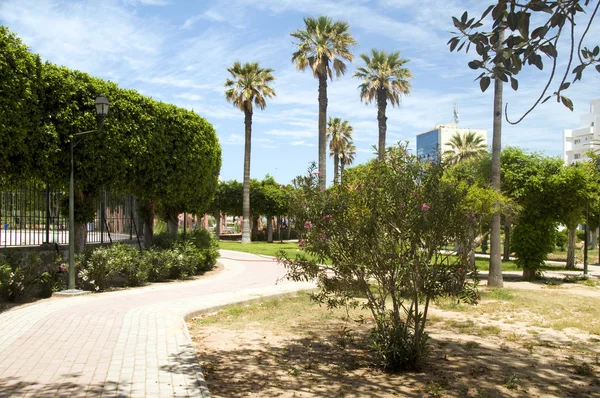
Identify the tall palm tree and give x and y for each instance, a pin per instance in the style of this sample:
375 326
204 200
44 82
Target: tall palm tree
249 84
384 78
347 154
323 46
339 133
465 146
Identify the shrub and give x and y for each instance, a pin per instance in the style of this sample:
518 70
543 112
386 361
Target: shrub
382 237
562 237
159 264
21 275
118 260
187 260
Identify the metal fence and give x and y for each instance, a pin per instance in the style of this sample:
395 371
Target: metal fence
31 215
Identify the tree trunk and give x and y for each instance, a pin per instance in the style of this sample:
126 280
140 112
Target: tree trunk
146 210
246 238
172 220
571 248
529 274
507 230
269 230
341 173
218 224
495 274
322 130
336 161
381 120
255 228
80 235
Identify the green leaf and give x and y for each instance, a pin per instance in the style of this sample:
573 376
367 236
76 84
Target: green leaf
474 65
514 83
567 102
598 68
564 86
484 83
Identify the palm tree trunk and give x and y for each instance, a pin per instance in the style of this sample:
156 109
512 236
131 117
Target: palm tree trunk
495 275
246 189
341 172
322 130
507 230
571 248
381 120
336 161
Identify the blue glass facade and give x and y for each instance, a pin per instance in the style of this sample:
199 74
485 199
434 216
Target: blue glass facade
427 144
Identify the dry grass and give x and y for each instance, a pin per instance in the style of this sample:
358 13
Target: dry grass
517 342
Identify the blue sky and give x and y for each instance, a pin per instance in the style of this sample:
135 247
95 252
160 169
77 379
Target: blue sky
178 51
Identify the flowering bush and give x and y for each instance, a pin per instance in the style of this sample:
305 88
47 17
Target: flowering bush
383 232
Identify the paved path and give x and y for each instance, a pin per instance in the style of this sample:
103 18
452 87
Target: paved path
125 343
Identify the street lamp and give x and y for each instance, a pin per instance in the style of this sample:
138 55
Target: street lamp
102 106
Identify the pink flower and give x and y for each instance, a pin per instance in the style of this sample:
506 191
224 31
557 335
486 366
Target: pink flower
327 218
307 225
300 243
304 206
63 267
324 238
473 217
402 205
424 207
281 186
322 189
460 270
318 173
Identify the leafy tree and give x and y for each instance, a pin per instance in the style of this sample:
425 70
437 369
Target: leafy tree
249 84
384 78
382 238
323 46
465 146
228 199
534 30
269 199
339 134
176 164
347 155
24 144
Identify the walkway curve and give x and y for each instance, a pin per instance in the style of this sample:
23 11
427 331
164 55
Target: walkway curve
130 343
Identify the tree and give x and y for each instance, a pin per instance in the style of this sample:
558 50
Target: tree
382 239
24 144
502 60
339 134
323 46
347 154
270 200
465 146
534 29
384 78
229 200
249 84
575 190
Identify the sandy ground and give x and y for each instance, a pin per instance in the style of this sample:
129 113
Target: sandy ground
498 357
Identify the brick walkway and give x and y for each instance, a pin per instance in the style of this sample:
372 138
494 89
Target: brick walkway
131 343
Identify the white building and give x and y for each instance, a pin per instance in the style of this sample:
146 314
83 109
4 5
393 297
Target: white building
586 138
430 142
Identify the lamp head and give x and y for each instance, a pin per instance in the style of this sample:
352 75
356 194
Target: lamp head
102 106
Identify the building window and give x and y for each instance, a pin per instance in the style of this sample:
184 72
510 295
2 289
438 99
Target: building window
577 141
577 156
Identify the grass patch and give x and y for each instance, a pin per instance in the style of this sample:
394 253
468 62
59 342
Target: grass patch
261 248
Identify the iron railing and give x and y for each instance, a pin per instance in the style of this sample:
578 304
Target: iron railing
30 216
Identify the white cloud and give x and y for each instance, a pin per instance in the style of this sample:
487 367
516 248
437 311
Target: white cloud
189 96
233 139
148 2
292 133
302 143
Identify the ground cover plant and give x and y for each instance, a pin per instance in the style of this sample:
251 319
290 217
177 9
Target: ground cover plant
525 340
381 236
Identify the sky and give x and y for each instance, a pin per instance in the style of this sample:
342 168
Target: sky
178 51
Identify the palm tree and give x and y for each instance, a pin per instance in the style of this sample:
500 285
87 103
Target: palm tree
347 154
323 46
384 78
339 133
468 145
249 84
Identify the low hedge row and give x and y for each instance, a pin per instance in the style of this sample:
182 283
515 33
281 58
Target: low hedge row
111 266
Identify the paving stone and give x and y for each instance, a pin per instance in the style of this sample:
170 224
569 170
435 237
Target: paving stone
125 343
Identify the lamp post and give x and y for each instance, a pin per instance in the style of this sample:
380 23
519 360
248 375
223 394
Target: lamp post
102 106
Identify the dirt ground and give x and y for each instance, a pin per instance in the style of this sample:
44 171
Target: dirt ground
473 354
